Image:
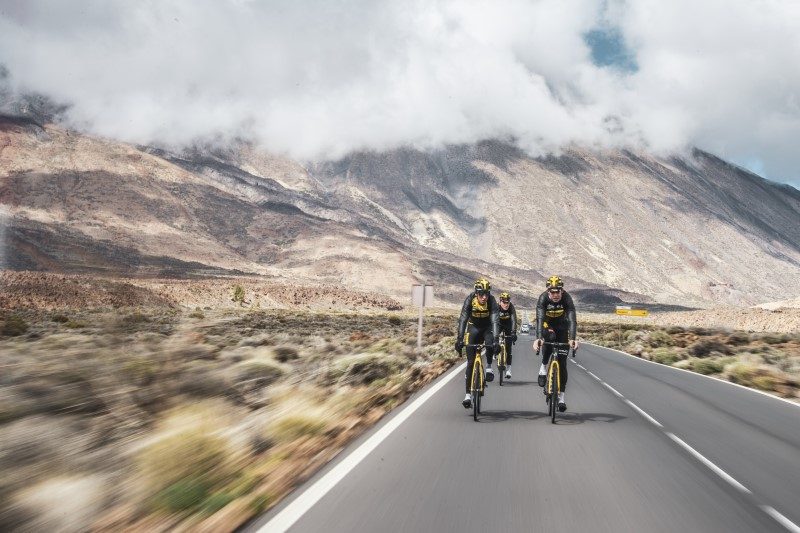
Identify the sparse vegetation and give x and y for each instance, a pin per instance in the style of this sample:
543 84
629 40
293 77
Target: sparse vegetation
238 294
14 326
767 361
285 400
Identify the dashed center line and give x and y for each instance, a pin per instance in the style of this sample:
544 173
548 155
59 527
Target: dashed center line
771 511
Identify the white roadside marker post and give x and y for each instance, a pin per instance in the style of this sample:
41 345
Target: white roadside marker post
421 295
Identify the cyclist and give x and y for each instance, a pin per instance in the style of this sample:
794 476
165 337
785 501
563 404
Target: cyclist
508 324
555 321
479 322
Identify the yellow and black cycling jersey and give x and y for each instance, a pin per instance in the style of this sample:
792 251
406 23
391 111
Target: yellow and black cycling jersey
479 315
557 315
508 319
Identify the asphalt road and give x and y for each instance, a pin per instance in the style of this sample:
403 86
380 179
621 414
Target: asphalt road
697 455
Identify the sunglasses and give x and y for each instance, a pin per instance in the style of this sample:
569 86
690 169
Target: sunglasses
480 292
555 291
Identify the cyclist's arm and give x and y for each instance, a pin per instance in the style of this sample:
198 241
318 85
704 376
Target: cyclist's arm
494 315
540 306
513 312
466 309
571 320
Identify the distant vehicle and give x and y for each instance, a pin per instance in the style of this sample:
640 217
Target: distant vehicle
525 328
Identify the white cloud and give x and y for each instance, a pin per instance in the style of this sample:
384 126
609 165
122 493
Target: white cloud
317 79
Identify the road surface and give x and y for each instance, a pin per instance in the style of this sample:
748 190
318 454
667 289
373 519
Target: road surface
642 447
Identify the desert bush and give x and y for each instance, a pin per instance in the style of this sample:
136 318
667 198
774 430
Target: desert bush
704 347
738 338
775 339
659 338
706 366
665 356
263 371
750 375
201 379
285 353
59 318
238 294
216 501
672 330
365 368
298 425
395 320
197 313
14 326
75 324
180 470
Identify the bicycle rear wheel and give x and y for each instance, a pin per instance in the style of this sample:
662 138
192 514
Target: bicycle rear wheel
501 364
553 396
476 391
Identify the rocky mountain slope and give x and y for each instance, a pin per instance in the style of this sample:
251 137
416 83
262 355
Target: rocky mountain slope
691 230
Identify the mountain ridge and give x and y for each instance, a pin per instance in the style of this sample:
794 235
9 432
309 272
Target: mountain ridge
692 230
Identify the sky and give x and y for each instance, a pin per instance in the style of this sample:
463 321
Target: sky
316 79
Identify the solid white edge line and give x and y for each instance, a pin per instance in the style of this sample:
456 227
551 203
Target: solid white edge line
768 395
717 470
645 415
612 389
593 375
782 520
300 505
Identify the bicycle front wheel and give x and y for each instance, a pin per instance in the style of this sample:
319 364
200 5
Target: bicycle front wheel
476 391
553 396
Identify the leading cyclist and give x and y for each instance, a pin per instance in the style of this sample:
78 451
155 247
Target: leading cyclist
479 322
555 321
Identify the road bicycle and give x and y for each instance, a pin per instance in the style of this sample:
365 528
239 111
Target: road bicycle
477 381
552 386
501 357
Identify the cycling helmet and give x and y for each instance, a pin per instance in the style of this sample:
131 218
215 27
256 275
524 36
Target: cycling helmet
505 296
554 282
482 285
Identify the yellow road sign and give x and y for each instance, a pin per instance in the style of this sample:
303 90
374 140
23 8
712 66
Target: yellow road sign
629 311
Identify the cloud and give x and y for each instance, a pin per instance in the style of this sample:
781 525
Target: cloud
317 79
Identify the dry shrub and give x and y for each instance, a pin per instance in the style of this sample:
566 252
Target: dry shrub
298 425
659 338
665 356
738 338
753 376
285 353
704 347
181 470
263 371
363 369
706 366
14 326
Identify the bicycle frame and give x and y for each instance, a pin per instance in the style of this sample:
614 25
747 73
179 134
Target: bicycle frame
477 366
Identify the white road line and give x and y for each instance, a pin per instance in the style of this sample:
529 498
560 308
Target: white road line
300 505
645 415
768 395
612 389
717 470
771 511
782 520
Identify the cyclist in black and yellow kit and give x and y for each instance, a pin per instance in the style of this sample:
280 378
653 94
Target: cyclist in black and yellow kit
508 324
555 322
479 322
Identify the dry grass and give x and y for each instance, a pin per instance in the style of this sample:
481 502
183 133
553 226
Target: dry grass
190 421
766 361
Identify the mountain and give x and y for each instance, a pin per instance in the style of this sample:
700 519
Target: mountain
618 225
